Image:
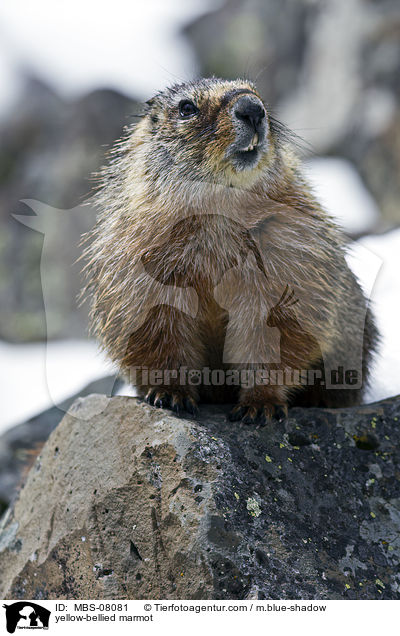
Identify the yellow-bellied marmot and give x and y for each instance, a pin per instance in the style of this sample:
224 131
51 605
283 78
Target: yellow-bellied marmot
213 272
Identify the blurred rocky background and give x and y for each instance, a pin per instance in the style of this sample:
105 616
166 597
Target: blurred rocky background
49 148
330 70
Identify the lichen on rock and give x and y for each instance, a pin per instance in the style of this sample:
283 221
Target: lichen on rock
129 501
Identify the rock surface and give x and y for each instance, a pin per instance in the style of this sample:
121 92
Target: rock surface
19 444
126 501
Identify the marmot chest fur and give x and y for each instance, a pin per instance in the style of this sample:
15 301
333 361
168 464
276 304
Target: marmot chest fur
213 272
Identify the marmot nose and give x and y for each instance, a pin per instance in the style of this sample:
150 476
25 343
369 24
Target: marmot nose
249 111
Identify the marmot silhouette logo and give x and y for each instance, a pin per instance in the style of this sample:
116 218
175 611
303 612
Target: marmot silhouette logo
26 615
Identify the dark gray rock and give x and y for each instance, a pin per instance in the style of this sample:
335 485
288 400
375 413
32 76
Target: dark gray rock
127 501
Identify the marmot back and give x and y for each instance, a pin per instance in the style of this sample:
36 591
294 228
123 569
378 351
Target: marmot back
213 272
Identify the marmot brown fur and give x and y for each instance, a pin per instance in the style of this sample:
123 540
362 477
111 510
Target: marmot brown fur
212 254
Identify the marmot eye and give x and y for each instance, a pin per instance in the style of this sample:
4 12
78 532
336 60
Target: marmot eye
187 109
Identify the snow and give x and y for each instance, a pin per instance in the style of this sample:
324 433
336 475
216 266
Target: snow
385 296
34 377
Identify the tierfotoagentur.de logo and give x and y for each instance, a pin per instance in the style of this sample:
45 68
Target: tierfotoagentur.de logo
26 615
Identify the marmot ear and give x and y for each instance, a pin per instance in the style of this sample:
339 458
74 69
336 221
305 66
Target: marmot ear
150 103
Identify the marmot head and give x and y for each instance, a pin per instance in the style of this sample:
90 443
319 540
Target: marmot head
209 130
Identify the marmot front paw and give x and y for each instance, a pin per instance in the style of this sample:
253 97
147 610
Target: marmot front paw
174 400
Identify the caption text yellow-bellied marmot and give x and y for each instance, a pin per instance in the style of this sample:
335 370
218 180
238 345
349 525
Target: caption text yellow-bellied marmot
214 274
